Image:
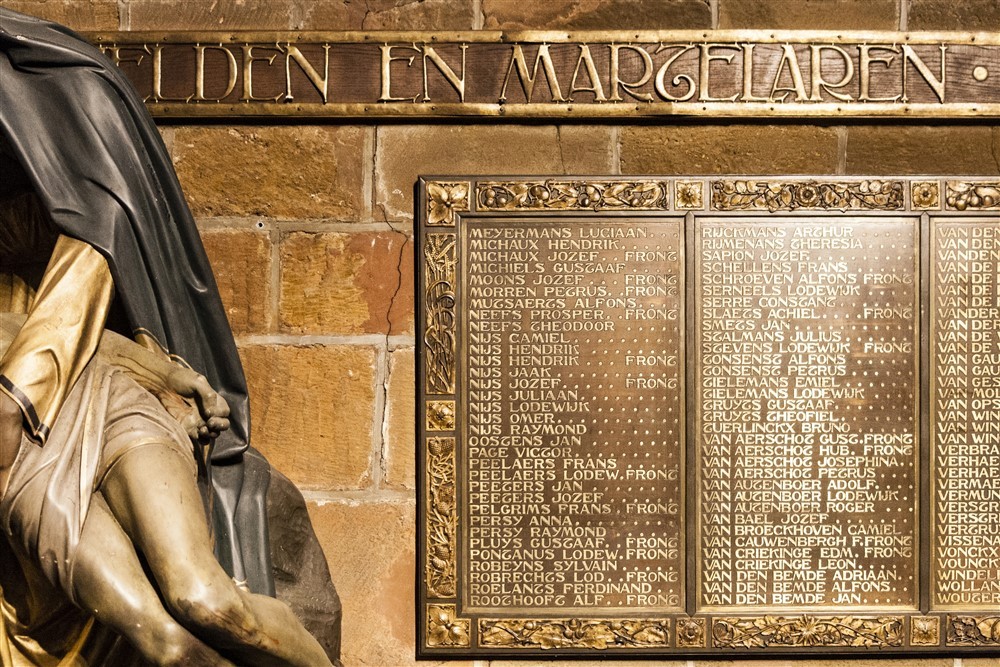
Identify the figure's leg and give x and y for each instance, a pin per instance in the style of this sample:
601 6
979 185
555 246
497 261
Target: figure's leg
154 497
109 582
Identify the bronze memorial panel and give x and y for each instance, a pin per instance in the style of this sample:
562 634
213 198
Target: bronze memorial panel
560 74
708 416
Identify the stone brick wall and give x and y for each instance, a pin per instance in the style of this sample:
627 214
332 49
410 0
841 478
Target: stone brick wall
309 228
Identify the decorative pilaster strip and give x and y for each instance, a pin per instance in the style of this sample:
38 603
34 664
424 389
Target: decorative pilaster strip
439 335
444 629
441 517
551 195
444 200
974 630
746 195
574 633
806 631
981 196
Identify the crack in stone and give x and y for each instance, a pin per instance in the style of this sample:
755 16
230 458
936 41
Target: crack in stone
368 12
377 208
384 445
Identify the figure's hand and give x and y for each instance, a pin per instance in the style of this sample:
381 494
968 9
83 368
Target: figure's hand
10 436
211 416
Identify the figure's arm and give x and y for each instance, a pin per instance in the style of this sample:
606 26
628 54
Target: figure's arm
166 380
59 336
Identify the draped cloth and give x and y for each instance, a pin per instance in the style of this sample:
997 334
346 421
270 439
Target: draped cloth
51 488
96 161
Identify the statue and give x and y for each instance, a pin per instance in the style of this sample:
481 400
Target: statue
101 437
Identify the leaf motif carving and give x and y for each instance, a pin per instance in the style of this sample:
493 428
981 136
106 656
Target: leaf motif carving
573 633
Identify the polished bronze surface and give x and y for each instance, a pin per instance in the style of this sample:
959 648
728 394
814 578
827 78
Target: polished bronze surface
561 74
709 416
570 363
806 411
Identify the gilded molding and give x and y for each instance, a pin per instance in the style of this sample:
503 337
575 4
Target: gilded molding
638 195
691 633
444 629
444 200
846 631
574 633
439 334
925 631
440 416
977 196
974 630
442 517
745 195
925 194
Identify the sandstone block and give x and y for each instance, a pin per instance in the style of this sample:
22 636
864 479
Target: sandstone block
300 172
809 14
970 15
370 548
387 15
79 15
923 149
399 420
217 15
241 261
312 409
346 283
597 14
405 151
727 149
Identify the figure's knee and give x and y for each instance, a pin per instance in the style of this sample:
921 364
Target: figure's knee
167 644
219 612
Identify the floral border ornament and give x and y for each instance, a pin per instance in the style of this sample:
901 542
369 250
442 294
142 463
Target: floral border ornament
925 631
441 517
874 195
550 195
689 195
979 196
444 629
444 200
574 633
925 194
691 633
439 333
850 631
440 416
974 630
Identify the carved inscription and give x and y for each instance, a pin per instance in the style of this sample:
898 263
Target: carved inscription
573 421
545 74
965 409
806 433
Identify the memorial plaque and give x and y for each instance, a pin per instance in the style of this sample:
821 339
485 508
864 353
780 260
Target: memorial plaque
572 367
965 413
807 412
709 416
